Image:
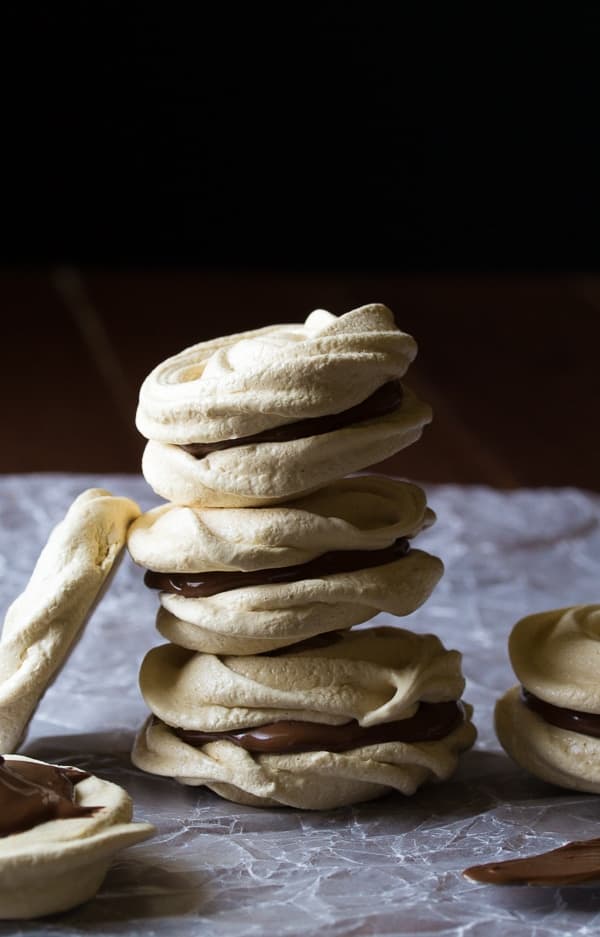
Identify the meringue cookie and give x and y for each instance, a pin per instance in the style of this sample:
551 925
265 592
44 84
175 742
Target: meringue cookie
362 513
60 863
271 472
374 675
243 384
44 621
306 780
261 618
555 655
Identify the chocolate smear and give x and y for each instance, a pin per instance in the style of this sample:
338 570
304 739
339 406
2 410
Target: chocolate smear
571 864
32 793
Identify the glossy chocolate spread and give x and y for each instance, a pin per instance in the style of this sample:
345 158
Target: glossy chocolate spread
32 793
386 399
195 585
568 865
431 722
572 719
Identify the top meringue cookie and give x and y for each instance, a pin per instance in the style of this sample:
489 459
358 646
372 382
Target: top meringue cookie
249 382
264 416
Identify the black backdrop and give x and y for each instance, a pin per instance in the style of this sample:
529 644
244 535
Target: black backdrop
335 135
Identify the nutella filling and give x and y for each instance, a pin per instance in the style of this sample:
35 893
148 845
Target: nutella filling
33 793
325 639
431 722
386 399
195 585
568 865
571 719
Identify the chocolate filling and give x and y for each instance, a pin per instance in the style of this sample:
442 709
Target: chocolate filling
32 793
386 399
194 585
324 639
572 719
431 721
575 862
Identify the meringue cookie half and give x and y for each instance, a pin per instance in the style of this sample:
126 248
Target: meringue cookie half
373 676
558 756
242 384
546 725
362 513
60 863
556 656
43 623
271 472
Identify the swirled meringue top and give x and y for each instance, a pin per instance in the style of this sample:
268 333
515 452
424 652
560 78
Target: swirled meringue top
556 656
375 675
364 513
243 384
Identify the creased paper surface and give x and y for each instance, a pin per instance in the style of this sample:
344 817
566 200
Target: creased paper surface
389 867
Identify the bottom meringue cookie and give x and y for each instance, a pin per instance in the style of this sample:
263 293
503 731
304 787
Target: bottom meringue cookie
316 780
559 756
58 836
345 718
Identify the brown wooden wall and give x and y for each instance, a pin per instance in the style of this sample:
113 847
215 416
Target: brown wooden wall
510 364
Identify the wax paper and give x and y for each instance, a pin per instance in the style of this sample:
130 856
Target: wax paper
388 867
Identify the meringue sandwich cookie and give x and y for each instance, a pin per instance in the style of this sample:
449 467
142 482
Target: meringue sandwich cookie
242 581
246 383
265 617
43 623
59 831
310 727
265 416
550 724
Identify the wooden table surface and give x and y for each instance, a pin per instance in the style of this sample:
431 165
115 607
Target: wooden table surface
509 363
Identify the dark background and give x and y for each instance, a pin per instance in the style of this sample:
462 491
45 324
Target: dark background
171 172
434 136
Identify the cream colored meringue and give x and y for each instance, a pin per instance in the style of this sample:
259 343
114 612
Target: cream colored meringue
261 618
44 621
365 513
61 863
374 675
309 780
568 759
270 472
556 656
245 383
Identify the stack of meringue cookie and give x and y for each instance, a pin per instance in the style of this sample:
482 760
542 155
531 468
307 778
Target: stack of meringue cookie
266 556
